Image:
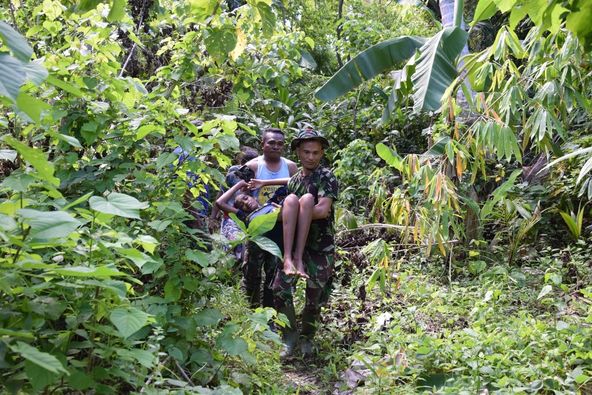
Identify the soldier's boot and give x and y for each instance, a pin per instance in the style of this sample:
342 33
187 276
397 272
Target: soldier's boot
289 334
309 321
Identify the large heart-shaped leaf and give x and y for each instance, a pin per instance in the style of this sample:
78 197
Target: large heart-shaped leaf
118 204
12 76
128 320
49 224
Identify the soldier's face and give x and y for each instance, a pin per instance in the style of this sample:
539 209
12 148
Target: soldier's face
273 145
310 154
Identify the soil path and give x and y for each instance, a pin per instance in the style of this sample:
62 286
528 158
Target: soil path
303 377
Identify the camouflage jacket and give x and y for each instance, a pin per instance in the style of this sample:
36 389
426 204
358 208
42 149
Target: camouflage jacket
321 183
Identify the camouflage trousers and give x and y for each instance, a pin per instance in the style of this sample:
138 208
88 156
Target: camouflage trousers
259 265
319 268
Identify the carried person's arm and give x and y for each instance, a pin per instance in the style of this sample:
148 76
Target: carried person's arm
257 183
222 201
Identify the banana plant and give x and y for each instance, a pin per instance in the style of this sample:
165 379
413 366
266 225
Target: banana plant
435 66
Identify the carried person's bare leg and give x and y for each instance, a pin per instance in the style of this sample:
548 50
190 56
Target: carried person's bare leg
307 203
290 210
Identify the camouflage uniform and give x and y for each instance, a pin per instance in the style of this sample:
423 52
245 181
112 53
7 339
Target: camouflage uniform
319 251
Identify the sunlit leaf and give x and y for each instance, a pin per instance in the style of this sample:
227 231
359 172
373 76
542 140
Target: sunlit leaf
128 320
118 204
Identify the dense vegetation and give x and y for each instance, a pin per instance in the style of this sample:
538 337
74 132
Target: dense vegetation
464 260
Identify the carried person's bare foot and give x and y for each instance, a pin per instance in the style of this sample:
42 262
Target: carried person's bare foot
299 269
289 268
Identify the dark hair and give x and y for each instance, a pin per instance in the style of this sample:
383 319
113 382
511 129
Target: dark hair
246 154
270 130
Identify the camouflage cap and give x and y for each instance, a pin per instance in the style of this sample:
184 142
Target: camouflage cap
308 134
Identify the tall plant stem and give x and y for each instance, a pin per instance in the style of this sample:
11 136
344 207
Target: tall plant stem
458 13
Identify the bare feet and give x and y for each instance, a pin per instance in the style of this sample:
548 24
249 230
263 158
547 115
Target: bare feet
300 271
289 268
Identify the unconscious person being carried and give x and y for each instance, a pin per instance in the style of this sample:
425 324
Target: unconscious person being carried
246 207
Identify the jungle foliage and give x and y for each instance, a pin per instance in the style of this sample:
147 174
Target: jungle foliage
464 216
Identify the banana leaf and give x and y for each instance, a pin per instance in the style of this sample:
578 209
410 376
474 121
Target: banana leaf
368 64
436 69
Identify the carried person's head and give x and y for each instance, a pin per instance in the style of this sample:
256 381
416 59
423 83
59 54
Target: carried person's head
310 147
272 143
246 203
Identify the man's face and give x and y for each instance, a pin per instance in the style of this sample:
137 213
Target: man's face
310 154
273 145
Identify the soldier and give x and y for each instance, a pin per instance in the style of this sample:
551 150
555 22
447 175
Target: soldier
308 219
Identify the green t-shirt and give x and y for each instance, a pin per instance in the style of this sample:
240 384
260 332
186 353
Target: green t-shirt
321 183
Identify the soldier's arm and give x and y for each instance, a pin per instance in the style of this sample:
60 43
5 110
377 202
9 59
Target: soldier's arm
322 208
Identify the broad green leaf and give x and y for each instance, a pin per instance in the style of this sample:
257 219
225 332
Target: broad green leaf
17 43
36 158
7 224
172 290
199 257
53 80
147 242
435 69
202 9
31 106
117 10
136 256
143 357
368 64
39 377
546 289
578 21
85 271
40 358
73 141
145 130
208 317
80 380
118 204
231 344
49 224
485 10
18 182
220 41
21 334
262 223
499 194
12 76
35 72
158 225
268 245
87 5
267 18
76 202
128 320
389 156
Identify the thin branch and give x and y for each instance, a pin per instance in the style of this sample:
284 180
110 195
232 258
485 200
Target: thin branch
12 11
129 57
184 374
